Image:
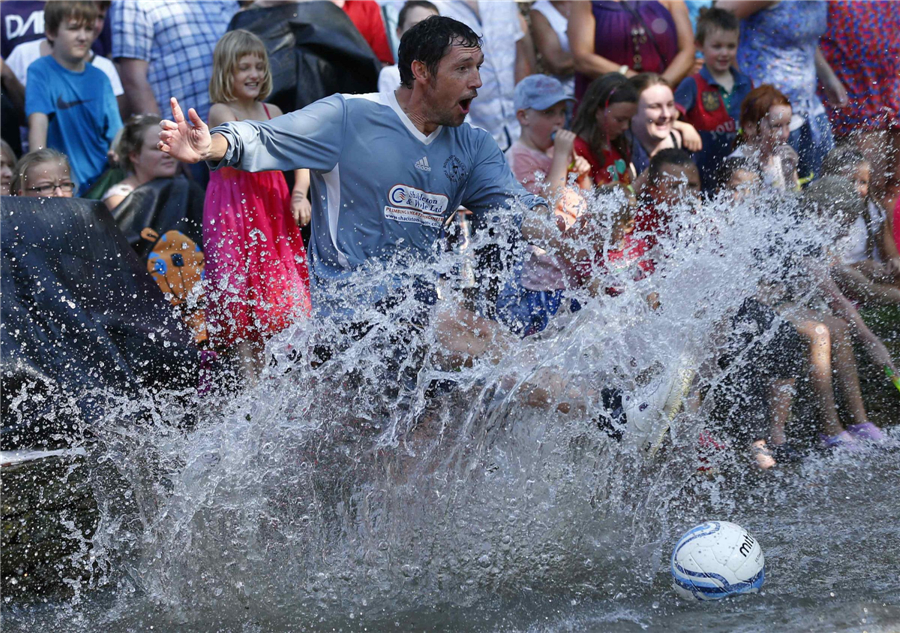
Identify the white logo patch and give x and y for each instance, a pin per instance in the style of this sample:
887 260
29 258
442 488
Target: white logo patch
408 204
422 164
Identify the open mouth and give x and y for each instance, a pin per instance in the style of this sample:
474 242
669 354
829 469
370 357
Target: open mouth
252 85
466 103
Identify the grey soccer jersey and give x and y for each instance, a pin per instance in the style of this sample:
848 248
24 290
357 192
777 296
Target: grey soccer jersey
379 186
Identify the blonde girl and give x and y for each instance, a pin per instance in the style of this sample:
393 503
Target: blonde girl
43 173
256 261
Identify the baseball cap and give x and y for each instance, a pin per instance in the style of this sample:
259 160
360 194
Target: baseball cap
539 92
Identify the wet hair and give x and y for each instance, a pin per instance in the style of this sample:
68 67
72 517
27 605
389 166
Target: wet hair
429 41
715 19
414 4
603 92
759 101
733 164
228 52
132 139
647 80
29 160
55 13
842 160
671 156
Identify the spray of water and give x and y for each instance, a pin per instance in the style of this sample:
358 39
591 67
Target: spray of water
364 479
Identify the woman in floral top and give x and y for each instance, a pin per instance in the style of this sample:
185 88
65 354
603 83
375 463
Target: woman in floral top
779 45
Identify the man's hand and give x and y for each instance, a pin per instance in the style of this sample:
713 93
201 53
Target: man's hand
187 142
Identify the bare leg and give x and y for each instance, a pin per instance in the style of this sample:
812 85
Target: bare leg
820 372
781 399
845 368
251 360
843 308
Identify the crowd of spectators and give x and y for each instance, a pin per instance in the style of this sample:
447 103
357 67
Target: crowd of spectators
662 101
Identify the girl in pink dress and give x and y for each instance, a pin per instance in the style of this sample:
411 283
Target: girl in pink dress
256 262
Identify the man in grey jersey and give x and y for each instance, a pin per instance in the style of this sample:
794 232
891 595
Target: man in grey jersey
387 170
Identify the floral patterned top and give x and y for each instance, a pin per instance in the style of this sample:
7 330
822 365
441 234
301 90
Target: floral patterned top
863 47
778 47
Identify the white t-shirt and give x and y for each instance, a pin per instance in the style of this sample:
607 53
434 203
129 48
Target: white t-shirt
853 247
23 55
389 79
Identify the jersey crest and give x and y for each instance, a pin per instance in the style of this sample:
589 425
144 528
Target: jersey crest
711 100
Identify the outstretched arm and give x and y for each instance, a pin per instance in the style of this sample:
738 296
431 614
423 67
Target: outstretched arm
190 142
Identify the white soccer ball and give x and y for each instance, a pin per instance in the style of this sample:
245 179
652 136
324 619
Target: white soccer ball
715 560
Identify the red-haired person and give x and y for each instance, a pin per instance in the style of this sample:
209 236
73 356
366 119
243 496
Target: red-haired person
766 125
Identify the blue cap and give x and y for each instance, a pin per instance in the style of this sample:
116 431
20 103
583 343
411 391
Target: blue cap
539 92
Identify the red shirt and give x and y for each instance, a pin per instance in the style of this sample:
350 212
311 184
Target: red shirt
631 258
612 167
366 16
651 224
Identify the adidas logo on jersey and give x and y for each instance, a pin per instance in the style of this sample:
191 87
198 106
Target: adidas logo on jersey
422 164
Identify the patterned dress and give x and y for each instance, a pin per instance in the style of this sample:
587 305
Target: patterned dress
778 47
863 47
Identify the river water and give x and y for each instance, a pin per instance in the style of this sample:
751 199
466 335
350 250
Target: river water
381 491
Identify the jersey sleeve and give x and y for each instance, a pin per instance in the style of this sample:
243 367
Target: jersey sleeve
686 95
491 185
311 138
37 91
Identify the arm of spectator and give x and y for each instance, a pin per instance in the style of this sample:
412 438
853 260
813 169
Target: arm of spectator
581 30
526 61
14 88
113 201
679 67
556 60
845 308
690 137
138 93
301 208
889 245
834 89
38 123
744 8
563 154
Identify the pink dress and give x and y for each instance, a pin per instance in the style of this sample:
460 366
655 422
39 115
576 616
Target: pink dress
256 266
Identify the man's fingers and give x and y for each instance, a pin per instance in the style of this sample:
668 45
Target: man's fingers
166 124
196 121
177 114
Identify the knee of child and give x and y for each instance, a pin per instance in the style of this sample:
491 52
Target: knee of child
821 334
